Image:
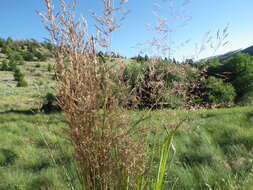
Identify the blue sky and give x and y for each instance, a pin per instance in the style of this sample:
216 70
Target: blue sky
20 21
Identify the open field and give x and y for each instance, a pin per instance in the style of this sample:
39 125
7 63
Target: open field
152 107
39 83
214 148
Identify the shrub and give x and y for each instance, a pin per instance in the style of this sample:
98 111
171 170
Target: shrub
7 157
163 83
237 70
21 63
49 67
22 83
6 50
243 84
246 99
15 56
133 72
19 77
42 182
147 81
106 153
40 56
50 104
9 66
12 65
40 82
28 56
5 66
2 42
217 92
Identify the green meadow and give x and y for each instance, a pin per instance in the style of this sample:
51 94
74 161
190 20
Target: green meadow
214 148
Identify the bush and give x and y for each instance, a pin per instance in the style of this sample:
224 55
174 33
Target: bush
161 83
6 50
28 56
246 99
7 157
50 104
133 72
2 42
40 82
42 182
5 66
12 65
22 83
237 70
146 80
19 77
217 92
21 63
243 84
9 66
40 56
49 67
15 56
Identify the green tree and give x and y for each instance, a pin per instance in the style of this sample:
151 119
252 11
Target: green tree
217 92
237 70
2 42
9 41
146 58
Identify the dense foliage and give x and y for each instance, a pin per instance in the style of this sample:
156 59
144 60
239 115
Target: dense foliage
28 50
158 82
237 71
212 83
217 92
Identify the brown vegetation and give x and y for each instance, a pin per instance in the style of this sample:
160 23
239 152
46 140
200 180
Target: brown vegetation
106 154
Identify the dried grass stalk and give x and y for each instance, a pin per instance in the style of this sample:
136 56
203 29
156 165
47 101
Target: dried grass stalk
107 156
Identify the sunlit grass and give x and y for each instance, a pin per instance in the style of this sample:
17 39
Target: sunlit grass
213 151
214 148
39 83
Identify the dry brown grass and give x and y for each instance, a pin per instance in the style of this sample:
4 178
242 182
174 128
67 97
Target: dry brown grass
91 94
106 154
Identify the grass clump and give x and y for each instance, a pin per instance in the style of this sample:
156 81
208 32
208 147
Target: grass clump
208 155
49 67
10 65
20 78
7 157
107 154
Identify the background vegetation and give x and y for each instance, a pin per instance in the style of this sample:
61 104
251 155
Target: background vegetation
214 148
111 141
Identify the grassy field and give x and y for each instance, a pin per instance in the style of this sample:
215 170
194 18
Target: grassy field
214 148
39 83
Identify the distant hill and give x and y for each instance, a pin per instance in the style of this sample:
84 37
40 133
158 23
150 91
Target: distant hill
228 55
248 50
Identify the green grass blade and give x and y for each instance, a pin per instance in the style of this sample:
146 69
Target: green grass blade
164 159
